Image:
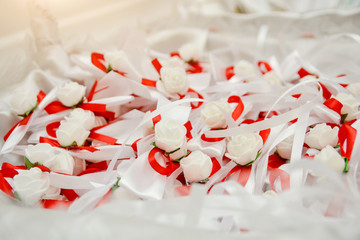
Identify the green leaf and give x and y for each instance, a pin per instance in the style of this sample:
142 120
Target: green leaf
109 68
172 151
343 117
116 185
204 181
154 144
337 146
80 102
249 164
258 155
16 195
346 169
29 164
29 112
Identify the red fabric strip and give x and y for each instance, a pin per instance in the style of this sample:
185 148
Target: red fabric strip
334 105
190 90
303 73
264 67
229 72
275 161
238 109
206 139
51 129
41 95
264 134
92 91
97 59
155 119
70 194
155 62
95 107
188 129
347 133
55 204
55 107
175 54
134 145
102 138
216 166
22 122
195 68
55 143
148 82
326 93
284 178
5 186
168 170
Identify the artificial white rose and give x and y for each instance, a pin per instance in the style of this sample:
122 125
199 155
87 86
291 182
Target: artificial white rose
53 193
115 60
272 78
245 68
69 133
190 52
329 156
354 89
30 185
170 135
244 148
82 117
173 81
71 94
350 105
23 100
175 62
41 153
212 115
284 148
197 166
322 135
55 159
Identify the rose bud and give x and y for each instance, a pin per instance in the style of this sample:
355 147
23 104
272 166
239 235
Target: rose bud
322 135
197 166
71 94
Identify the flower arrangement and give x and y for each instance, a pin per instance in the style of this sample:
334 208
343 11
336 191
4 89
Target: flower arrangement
186 120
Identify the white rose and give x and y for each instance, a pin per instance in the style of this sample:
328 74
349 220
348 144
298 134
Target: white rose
23 100
244 148
71 94
69 133
115 60
197 166
53 193
350 105
30 185
284 148
329 156
170 135
354 89
175 62
322 135
245 68
190 52
212 115
173 81
55 159
81 117
272 78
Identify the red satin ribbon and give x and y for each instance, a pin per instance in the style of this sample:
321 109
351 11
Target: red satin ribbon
188 127
51 129
215 166
55 143
134 145
303 73
238 109
92 91
347 133
95 167
148 82
102 138
326 93
175 54
264 134
5 186
41 95
155 62
334 105
244 174
275 161
284 178
264 67
206 139
190 90
55 204
196 68
97 59
155 119
170 166
70 194
229 72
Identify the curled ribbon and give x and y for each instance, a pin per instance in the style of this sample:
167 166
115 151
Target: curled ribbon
55 143
264 67
347 133
170 166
